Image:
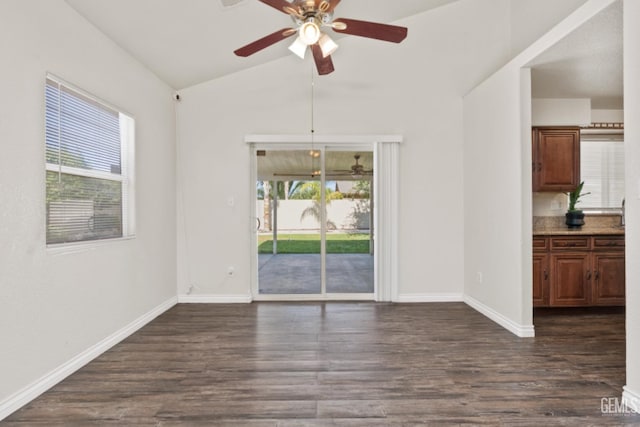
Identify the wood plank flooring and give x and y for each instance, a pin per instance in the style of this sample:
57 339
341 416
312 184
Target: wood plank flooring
346 364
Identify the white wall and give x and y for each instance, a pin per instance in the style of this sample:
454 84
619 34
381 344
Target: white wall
632 178
414 89
530 19
496 219
560 112
55 306
497 190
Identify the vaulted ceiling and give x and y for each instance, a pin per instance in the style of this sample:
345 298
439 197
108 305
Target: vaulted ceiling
187 42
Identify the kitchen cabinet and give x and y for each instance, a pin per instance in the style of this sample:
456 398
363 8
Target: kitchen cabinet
609 268
570 277
556 158
578 271
540 280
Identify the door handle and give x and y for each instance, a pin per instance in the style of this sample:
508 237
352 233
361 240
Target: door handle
259 224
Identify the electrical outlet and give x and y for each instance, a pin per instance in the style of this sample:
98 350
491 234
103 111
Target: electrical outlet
231 271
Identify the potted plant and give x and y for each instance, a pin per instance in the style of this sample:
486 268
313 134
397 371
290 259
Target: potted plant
575 217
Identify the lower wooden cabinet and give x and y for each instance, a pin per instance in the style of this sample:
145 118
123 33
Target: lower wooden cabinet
578 271
609 280
570 277
540 280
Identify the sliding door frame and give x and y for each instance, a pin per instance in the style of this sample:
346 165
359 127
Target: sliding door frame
385 187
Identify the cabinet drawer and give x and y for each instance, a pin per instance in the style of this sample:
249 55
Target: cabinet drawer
540 244
608 242
559 243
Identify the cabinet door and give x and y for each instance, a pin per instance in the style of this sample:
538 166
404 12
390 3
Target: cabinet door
556 159
609 280
570 277
540 280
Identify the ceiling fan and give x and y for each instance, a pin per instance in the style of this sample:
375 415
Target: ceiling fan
309 17
357 170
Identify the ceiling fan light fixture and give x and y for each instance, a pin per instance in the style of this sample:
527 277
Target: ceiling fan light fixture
298 47
310 32
327 45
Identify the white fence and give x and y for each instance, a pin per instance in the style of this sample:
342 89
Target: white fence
298 215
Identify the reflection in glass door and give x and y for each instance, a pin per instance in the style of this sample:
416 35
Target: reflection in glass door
349 237
314 216
289 249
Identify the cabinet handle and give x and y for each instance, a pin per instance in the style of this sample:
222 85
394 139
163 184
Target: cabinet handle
588 274
597 275
539 167
546 275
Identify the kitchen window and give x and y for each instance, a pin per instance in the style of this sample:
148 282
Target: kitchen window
89 148
602 169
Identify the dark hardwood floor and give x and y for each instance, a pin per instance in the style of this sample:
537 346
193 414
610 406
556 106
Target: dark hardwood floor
347 364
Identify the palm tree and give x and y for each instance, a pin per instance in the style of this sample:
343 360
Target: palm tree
312 190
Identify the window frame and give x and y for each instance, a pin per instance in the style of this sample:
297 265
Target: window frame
613 135
126 178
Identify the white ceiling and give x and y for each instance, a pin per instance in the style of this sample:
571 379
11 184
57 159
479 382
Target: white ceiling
186 42
585 64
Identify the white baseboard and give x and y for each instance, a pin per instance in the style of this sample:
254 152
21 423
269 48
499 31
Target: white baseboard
416 298
522 331
631 399
214 299
35 389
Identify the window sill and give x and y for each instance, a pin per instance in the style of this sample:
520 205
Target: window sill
78 247
602 211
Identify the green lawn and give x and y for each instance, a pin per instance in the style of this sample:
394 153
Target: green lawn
310 244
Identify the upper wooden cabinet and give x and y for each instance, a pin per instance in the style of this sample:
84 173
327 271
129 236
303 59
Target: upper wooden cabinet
556 158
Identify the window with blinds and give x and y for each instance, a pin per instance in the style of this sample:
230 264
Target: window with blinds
602 170
89 167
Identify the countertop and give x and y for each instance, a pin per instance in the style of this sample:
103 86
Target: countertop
593 224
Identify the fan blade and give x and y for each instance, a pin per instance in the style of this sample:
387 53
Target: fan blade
372 30
327 6
277 4
324 65
265 42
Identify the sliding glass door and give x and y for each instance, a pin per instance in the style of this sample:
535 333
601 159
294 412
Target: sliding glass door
314 223
349 236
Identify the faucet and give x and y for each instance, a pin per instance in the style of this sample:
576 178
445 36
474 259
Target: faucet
622 215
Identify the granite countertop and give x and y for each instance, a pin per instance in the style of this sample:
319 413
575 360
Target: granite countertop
593 224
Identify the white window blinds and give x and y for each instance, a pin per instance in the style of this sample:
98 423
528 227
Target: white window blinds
89 177
602 170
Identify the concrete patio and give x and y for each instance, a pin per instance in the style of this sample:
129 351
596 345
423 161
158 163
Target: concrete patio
300 273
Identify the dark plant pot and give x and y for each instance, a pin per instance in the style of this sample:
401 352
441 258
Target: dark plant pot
574 219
